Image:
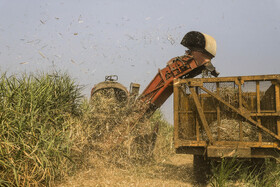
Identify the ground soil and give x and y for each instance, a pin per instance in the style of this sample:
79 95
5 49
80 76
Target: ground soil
174 171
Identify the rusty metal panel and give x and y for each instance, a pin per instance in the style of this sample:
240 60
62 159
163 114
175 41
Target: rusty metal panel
186 118
214 151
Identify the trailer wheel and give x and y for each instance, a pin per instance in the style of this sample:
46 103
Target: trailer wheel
201 168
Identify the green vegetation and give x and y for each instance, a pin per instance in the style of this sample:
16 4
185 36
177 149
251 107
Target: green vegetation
48 131
224 171
34 136
257 172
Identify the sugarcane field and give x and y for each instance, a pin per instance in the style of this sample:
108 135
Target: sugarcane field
139 93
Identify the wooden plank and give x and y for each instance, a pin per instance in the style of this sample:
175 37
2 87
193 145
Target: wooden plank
254 152
240 107
258 108
243 113
197 128
277 102
252 114
266 114
218 112
187 127
218 151
234 79
193 143
176 109
201 114
258 97
197 123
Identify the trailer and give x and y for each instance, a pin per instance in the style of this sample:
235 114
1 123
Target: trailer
227 117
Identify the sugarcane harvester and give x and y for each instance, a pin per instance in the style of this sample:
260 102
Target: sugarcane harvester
202 48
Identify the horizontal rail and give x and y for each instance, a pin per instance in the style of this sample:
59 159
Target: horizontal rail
193 143
253 114
233 79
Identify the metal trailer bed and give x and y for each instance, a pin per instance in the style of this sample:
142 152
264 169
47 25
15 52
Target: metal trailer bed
249 104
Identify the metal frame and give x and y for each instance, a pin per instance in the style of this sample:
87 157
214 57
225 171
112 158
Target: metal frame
216 147
160 88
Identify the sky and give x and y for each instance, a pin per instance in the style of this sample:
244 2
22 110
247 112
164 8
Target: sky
90 39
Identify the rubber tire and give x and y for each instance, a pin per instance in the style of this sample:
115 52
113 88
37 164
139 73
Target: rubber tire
201 169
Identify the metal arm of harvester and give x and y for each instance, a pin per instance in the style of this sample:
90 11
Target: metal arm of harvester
202 48
198 58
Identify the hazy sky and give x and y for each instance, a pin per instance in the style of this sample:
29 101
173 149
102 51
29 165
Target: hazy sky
132 39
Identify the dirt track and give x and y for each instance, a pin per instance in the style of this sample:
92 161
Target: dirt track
176 171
